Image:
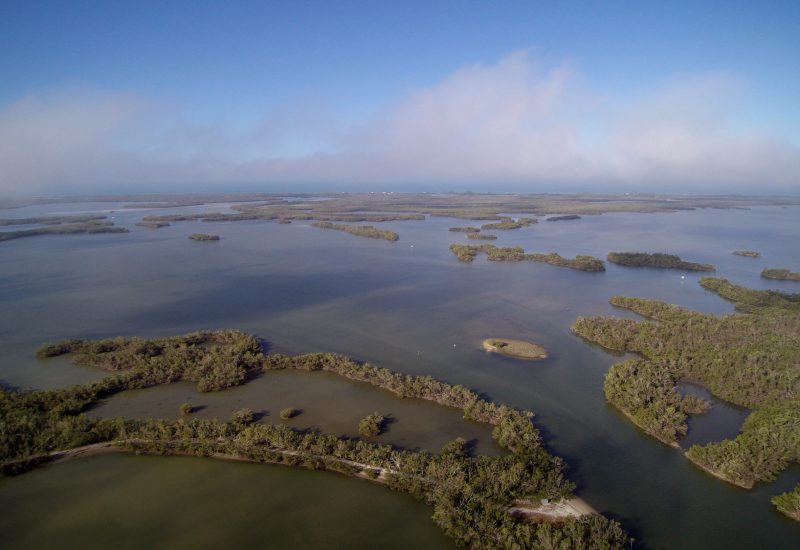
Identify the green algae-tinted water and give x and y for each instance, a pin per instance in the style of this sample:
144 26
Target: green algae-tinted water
415 309
125 501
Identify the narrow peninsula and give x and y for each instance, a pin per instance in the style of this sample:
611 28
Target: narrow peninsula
88 228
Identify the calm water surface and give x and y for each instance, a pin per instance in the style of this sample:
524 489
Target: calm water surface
124 501
408 306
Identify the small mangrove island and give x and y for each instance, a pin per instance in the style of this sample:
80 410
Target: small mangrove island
781 274
203 237
481 236
88 228
465 229
518 349
747 253
152 225
467 253
751 359
509 223
360 230
659 260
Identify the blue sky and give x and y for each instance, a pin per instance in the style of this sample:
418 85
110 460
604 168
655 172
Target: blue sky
573 95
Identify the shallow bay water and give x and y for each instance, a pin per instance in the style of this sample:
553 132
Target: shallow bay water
412 307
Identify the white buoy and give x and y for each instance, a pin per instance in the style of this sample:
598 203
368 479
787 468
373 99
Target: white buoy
683 276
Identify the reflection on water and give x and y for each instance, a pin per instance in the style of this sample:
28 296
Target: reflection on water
723 421
125 501
418 310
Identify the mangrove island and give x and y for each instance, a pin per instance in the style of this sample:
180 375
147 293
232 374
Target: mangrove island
659 260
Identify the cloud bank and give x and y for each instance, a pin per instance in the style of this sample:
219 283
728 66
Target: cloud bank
497 126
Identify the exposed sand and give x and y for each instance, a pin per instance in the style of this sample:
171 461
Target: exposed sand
552 512
518 349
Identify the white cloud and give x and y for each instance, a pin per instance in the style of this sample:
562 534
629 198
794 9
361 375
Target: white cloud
485 125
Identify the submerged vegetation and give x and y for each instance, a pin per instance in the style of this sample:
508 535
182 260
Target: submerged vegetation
203 237
360 230
659 260
562 218
747 253
467 253
781 274
750 359
469 496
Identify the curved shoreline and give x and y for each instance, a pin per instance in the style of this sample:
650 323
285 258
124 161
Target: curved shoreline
537 512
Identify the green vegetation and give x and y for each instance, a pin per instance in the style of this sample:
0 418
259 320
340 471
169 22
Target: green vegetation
469 496
747 253
751 359
289 412
768 442
467 253
186 408
583 263
360 230
789 503
560 218
659 260
371 425
243 417
465 229
52 220
747 300
152 225
203 237
90 228
213 360
509 223
781 274
481 236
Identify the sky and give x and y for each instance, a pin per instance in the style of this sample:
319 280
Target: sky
143 96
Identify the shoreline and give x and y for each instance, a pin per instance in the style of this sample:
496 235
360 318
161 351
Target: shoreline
719 475
528 510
